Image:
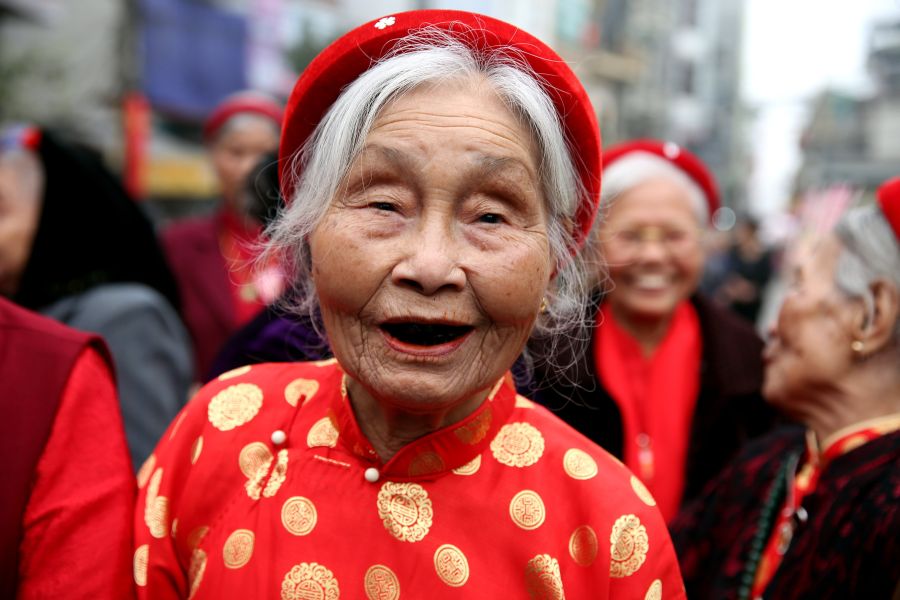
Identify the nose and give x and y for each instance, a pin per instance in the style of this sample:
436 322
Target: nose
430 262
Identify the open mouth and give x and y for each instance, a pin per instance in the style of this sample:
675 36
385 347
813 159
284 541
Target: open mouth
425 334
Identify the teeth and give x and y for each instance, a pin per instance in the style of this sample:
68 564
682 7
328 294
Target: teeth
652 282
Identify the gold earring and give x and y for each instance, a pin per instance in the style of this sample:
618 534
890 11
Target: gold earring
543 305
857 346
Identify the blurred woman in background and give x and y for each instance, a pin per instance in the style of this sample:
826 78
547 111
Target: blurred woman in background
211 256
669 382
75 247
814 511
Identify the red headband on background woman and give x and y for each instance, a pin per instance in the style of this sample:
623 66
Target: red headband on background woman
686 162
889 201
242 102
354 53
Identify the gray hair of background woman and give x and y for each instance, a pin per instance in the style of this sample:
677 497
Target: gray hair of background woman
870 252
430 57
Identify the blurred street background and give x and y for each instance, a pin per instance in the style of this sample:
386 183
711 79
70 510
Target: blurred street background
794 104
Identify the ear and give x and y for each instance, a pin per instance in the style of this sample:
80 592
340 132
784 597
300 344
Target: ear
877 331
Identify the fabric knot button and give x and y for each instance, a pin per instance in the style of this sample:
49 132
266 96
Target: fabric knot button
278 437
372 475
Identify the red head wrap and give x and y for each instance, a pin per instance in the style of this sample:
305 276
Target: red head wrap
351 55
889 201
686 162
241 102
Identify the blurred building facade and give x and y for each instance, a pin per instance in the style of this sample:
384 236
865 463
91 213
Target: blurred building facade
653 68
852 139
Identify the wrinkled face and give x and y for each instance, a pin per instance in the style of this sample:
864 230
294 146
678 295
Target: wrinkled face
20 210
238 148
651 241
809 344
432 260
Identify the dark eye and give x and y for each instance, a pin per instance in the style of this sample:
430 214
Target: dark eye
490 218
385 206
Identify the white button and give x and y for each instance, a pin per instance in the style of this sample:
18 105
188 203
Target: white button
372 475
671 150
278 437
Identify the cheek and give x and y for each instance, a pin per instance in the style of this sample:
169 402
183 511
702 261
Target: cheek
345 267
510 285
691 268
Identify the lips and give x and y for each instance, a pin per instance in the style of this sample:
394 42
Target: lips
425 334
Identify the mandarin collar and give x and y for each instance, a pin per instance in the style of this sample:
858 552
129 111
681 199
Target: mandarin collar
849 438
432 455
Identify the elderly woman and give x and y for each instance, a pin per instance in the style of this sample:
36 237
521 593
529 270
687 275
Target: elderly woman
434 206
669 382
816 513
211 256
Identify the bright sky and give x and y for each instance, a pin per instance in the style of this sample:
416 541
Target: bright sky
793 49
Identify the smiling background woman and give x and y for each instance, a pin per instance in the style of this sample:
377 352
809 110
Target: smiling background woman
434 207
667 381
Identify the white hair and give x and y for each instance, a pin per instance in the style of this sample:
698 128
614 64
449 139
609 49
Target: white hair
639 167
242 120
869 252
430 56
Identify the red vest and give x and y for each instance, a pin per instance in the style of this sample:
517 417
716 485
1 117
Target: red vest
36 358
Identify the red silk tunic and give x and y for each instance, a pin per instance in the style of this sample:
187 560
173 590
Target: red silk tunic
264 487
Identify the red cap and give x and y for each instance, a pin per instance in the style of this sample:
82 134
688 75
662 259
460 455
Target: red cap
241 102
889 200
692 166
352 54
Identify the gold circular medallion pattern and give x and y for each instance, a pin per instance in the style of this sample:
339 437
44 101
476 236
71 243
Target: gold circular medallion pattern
451 565
298 515
629 545
526 509
518 445
146 469
196 449
235 373
238 548
406 511
542 578
310 581
252 457
642 492
234 406
426 463
279 474
654 592
300 388
578 464
153 487
158 519
196 570
141 557
475 431
584 545
470 468
323 434
381 583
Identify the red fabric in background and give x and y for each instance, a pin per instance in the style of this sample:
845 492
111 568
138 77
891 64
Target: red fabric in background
77 524
656 396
